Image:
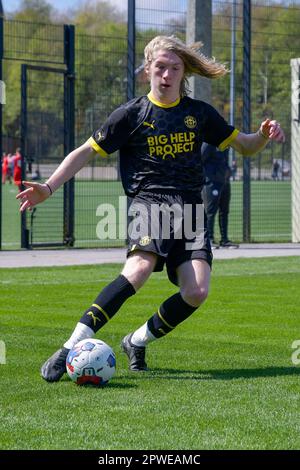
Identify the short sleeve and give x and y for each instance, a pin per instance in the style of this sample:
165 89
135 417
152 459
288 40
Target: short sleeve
113 134
217 131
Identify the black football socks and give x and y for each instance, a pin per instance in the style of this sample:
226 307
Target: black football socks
172 312
108 302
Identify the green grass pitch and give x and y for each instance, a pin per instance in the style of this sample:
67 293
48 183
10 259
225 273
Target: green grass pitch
224 379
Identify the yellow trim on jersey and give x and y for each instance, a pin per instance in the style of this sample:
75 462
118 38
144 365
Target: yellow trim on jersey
102 311
223 145
97 147
162 105
163 320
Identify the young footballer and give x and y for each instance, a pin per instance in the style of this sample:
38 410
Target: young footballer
159 137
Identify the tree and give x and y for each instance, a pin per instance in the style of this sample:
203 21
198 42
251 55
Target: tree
34 11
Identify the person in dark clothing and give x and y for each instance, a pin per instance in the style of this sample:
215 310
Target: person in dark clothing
217 192
275 170
234 169
159 136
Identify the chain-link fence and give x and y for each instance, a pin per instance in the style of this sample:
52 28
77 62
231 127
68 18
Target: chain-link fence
42 102
101 80
275 40
100 85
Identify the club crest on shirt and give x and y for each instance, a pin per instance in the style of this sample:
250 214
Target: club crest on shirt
190 122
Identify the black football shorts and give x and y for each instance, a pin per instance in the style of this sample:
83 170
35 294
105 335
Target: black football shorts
172 225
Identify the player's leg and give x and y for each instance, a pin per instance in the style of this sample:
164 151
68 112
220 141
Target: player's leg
188 265
193 278
136 271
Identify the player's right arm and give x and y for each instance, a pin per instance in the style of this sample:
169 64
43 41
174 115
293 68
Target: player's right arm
104 141
39 192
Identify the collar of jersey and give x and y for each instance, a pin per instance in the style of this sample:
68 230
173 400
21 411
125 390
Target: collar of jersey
162 105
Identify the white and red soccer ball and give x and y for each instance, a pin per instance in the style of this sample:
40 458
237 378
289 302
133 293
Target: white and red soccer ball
91 362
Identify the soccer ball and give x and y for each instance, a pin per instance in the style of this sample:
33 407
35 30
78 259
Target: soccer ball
91 361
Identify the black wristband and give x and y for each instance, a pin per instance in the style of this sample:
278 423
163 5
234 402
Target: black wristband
51 192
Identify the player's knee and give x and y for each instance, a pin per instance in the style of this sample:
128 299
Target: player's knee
144 268
194 295
138 268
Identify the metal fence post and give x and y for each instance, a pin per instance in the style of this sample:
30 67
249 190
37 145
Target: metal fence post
131 51
24 230
69 141
246 117
295 150
199 28
130 67
232 75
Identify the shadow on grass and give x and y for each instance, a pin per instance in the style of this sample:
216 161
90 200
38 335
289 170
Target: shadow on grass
219 374
117 384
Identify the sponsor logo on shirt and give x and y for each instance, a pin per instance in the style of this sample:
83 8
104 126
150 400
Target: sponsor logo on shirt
171 145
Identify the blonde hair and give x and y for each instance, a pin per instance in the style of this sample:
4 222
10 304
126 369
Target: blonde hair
194 61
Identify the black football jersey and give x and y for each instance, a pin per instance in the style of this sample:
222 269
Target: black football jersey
160 145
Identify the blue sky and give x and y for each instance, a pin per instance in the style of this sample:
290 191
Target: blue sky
61 5
12 5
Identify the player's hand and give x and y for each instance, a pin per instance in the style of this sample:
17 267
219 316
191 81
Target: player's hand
33 195
272 130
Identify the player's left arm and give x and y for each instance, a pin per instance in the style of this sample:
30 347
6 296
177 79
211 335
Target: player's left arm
249 144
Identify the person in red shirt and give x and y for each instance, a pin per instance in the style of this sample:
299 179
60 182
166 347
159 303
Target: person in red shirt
7 166
18 168
4 167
